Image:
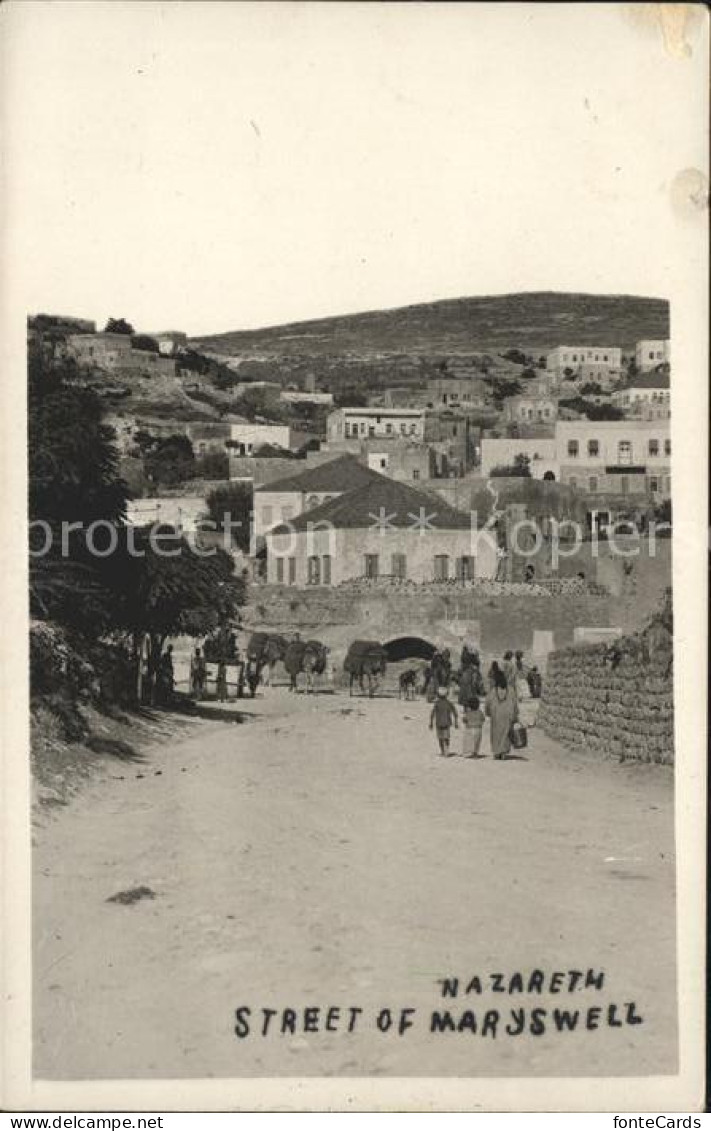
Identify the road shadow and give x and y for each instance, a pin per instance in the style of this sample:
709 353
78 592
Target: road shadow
115 747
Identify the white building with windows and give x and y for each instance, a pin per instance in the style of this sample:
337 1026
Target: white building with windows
382 529
245 439
618 457
364 423
585 363
651 352
525 409
647 395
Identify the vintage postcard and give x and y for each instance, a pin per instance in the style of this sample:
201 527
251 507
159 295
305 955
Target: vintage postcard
354 451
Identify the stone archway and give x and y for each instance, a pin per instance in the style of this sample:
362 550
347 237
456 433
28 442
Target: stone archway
408 648
549 477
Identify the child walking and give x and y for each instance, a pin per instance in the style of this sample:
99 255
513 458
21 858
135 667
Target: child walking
443 715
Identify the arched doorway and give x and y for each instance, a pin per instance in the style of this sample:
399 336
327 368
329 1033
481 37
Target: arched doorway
408 648
549 477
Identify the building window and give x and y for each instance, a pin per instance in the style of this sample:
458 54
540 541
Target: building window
624 485
389 428
371 565
667 447
465 568
573 449
594 448
383 462
654 447
266 516
280 571
624 451
326 569
441 567
416 473
654 485
398 566
313 575
292 571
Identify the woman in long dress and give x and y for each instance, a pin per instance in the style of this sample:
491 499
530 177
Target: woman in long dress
502 709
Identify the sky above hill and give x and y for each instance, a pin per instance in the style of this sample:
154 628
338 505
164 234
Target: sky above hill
212 167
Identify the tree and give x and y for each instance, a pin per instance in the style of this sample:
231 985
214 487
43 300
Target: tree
528 372
213 465
503 388
235 500
118 326
271 451
523 463
145 342
170 460
163 588
517 356
73 479
350 398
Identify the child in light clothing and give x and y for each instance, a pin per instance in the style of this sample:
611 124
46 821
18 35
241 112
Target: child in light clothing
444 713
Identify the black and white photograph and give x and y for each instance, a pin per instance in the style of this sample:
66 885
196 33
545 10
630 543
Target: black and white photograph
361 416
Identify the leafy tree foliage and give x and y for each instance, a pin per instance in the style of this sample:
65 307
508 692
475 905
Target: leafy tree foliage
73 479
236 500
145 342
118 326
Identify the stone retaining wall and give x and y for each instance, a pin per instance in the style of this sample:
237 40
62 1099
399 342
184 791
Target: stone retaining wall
626 710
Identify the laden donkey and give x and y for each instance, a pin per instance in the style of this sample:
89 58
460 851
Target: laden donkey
264 651
309 657
366 660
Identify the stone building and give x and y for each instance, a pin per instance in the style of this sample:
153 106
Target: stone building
453 392
585 363
530 409
115 353
362 423
382 529
651 352
541 453
170 342
647 396
290 496
615 457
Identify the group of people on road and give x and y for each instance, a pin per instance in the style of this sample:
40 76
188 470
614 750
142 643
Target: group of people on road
498 698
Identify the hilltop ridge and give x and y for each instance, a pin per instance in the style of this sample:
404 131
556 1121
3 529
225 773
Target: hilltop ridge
534 322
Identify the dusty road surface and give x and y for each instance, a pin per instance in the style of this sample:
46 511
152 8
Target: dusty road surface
322 855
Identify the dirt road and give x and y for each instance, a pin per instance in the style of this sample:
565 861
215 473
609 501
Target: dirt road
321 854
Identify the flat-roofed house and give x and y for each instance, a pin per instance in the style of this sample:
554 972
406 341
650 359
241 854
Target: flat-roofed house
362 423
585 363
651 352
381 529
648 395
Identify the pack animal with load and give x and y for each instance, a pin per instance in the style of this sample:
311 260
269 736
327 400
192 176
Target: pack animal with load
365 660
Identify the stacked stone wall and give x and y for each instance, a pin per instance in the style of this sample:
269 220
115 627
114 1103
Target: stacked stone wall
610 701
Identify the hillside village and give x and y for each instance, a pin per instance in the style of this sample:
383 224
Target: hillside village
580 431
